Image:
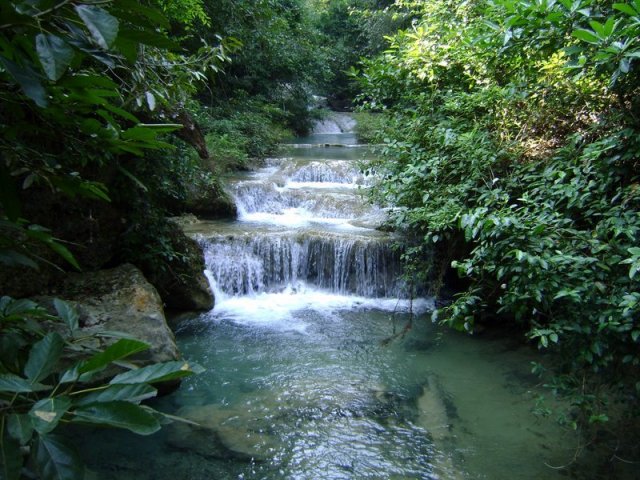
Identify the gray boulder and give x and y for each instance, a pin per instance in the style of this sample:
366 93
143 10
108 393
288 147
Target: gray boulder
121 299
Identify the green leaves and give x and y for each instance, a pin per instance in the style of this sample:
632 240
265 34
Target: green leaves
119 350
119 414
586 36
157 373
102 26
135 393
67 313
47 413
15 384
43 357
56 460
55 55
28 80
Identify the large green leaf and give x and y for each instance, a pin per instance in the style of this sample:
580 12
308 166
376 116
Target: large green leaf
55 55
68 313
118 414
20 427
586 36
102 26
160 372
10 458
43 357
56 460
46 414
28 80
121 349
15 384
129 393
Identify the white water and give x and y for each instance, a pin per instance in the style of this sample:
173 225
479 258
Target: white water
305 237
314 368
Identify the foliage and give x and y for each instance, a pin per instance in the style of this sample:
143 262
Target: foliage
75 81
514 150
52 373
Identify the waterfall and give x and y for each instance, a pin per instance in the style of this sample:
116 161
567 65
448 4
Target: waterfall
305 223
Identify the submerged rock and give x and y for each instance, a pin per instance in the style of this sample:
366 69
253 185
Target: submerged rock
121 299
222 433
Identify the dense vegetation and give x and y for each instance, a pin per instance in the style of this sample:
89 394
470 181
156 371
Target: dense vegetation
113 115
511 148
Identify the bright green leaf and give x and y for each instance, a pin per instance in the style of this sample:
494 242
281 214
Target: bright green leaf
586 36
120 349
626 8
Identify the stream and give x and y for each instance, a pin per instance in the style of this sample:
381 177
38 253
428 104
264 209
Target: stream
311 373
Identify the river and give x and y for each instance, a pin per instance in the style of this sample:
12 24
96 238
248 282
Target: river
318 365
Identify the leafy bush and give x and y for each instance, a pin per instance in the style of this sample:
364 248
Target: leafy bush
52 373
513 149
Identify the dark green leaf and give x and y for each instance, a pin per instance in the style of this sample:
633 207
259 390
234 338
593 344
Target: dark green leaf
160 372
64 253
102 26
10 458
43 357
119 414
20 427
15 384
121 349
12 258
56 460
28 80
55 55
129 393
9 199
46 413
68 313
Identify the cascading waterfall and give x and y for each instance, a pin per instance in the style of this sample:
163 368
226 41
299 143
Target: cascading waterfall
304 222
313 367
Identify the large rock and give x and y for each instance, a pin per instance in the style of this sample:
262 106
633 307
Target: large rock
121 299
223 432
180 281
210 203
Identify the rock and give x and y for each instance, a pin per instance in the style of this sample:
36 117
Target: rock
180 281
121 299
222 433
210 203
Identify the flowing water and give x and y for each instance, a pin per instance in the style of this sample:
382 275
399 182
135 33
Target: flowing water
318 366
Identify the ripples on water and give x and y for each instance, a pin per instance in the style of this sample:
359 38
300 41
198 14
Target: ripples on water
309 377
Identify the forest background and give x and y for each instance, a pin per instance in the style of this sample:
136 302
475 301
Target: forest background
509 138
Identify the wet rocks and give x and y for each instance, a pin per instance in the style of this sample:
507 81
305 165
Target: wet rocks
221 432
180 280
121 299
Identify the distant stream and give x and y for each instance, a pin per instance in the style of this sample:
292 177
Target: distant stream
311 373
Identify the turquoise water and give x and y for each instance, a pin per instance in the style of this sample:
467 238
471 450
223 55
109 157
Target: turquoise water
307 380
324 394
